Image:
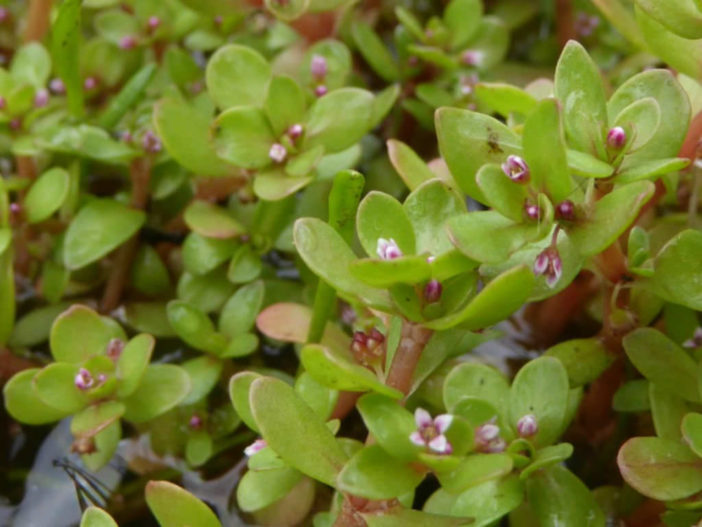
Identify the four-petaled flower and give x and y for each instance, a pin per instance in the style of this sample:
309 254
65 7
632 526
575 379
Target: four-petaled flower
549 264
516 169
255 447
388 249
430 432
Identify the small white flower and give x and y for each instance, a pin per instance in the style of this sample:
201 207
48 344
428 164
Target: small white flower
84 379
430 432
695 341
255 447
549 264
277 153
527 426
516 169
388 249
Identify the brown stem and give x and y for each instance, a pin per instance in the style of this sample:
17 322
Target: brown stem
344 404
413 339
37 20
565 22
140 173
612 263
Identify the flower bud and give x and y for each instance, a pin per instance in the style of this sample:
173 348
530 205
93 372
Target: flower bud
549 264
516 169
277 153
84 380
153 22
218 20
432 291
295 131
90 83
388 249
532 211
195 422
318 67
3 102
4 14
41 98
57 86
487 432
150 142
527 426
320 90
114 348
255 447
566 210
128 42
472 58
616 138
16 123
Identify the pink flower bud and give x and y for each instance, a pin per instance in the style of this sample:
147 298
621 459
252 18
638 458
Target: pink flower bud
150 142
4 14
83 380
295 131
255 447
432 291
516 169
195 422
41 98
16 123
114 348
616 138
532 211
549 264
320 90
90 83
472 58
566 210
3 103
487 432
128 42
277 153
153 22
695 341
527 426
57 86
388 249
218 20
318 67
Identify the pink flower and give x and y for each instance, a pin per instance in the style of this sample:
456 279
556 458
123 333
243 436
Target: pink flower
41 98
128 42
84 380
472 58
295 131
255 447
388 249
566 210
320 90
150 142
430 432
153 22
277 153
487 438
318 67
516 169
695 341
527 426
57 86
616 138
549 264
532 211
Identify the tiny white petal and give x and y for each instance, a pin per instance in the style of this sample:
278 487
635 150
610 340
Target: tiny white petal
442 422
422 418
255 447
440 445
417 439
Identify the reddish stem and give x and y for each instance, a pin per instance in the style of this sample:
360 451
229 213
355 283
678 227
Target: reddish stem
37 20
565 22
413 339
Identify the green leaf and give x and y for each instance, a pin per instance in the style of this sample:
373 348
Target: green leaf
106 442
237 76
505 99
99 227
474 470
334 369
545 151
204 373
586 165
198 448
662 86
285 104
211 221
578 86
661 469
546 457
55 386
245 265
584 359
95 333
128 96
528 397
489 501
132 363
382 216
692 431
678 277
411 168
334 130
462 18
293 431
683 17
374 51
475 380
149 317
288 10
239 313
320 398
399 517
428 208
149 274
559 498
640 120
23 403
389 424
339 63
195 327
668 410
495 302
91 421
501 193
325 252
187 137
163 386
468 140
201 255
34 327
239 387
632 396
258 489
487 236
610 217
661 361
385 273
176 507
96 517
243 137
372 473
290 322
46 195
650 170
65 47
